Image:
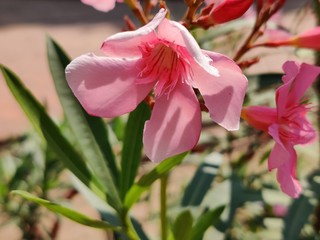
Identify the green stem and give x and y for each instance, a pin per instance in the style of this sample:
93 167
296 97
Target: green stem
128 227
163 206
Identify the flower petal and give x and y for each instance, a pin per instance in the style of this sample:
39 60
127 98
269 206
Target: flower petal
279 154
286 175
284 158
298 78
178 34
175 124
308 39
126 44
226 11
104 86
259 117
103 6
223 95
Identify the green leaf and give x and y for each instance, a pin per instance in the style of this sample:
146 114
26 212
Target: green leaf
182 226
297 216
202 180
210 218
90 132
118 126
132 146
67 212
239 195
146 180
47 129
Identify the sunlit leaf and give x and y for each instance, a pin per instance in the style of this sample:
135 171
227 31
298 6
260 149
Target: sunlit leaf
90 132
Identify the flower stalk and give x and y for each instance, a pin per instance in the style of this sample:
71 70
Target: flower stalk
163 207
137 10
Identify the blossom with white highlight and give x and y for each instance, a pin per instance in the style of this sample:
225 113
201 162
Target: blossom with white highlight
163 56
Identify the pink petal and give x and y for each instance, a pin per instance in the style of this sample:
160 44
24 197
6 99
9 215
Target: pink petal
178 34
279 154
286 175
276 35
308 39
297 80
229 10
175 124
284 158
101 5
104 86
222 12
223 95
126 44
259 117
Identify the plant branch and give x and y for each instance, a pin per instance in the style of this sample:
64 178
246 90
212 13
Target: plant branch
137 10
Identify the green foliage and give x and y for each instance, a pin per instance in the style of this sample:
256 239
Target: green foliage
132 146
90 132
27 165
201 181
207 219
67 212
146 180
183 225
51 133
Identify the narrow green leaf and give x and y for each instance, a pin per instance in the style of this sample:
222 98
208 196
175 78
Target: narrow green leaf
47 129
297 216
202 180
210 218
67 212
146 180
182 226
90 132
132 146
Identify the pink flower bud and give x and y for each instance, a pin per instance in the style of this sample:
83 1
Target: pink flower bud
222 11
307 39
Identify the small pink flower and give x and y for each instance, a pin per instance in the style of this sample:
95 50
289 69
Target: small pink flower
221 11
102 5
163 56
279 210
307 39
287 124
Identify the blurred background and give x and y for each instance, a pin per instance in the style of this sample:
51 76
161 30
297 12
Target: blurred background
79 29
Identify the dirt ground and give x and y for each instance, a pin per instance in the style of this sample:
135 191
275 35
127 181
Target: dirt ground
78 29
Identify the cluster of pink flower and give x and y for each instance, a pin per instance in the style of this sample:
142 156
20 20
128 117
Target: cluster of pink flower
164 57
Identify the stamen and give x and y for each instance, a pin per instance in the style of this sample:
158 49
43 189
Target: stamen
164 63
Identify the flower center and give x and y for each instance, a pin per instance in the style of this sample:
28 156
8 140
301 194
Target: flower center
295 127
165 63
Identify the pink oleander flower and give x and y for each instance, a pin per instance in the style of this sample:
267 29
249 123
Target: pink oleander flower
102 5
307 39
163 56
221 11
287 123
